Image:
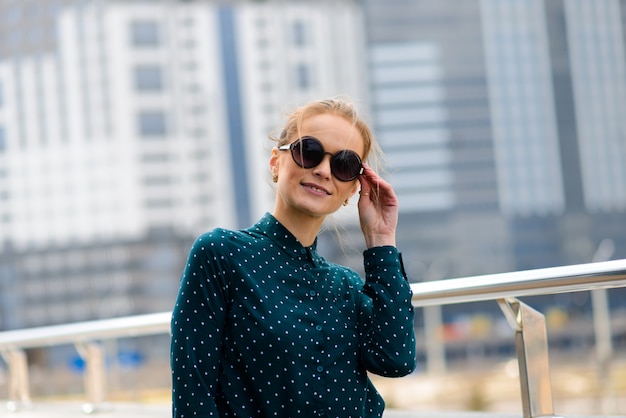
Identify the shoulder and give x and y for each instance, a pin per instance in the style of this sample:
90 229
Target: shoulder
215 236
221 239
346 273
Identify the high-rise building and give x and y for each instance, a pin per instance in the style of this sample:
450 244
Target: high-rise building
597 52
127 129
500 122
430 102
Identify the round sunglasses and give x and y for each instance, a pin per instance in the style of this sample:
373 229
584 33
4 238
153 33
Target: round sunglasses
308 152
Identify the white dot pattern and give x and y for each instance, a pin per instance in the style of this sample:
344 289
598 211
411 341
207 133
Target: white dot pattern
264 327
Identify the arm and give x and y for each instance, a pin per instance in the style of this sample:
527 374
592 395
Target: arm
197 326
390 344
389 347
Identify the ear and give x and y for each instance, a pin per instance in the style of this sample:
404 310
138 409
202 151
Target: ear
274 160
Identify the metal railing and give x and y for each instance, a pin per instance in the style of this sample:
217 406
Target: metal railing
531 340
528 324
85 337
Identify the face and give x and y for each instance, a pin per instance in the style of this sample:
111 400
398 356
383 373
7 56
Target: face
315 191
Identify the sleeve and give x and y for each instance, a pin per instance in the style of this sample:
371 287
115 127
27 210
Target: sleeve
387 315
197 326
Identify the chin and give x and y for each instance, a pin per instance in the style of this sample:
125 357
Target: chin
316 212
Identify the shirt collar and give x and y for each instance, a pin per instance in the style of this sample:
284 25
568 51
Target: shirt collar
274 230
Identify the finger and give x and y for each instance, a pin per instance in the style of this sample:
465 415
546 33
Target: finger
369 174
369 180
379 190
365 183
375 185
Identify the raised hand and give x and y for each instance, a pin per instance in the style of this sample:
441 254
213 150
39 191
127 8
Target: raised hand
378 209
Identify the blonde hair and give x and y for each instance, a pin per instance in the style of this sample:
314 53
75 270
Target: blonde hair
334 106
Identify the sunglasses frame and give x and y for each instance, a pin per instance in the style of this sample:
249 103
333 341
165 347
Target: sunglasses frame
333 157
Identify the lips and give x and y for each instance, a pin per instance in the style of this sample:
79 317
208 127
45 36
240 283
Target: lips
315 188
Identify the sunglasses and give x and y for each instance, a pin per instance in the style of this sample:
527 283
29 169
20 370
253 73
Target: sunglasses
308 152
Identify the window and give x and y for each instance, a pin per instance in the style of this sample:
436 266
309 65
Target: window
162 203
155 158
157 181
145 33
152 124
187 21
299 33
261 23
148 78
303 77
3 143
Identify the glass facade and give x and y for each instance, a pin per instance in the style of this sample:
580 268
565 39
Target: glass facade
152 124
598 60
510 130
145 33
138 125
411 123
522 108
148 78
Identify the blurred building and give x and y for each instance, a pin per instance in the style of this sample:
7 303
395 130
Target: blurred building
481 108
432 116
128 128
501 124
501 121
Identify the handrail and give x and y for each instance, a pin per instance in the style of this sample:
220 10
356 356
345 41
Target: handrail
503 287
574 278
83 335
545 281
132 326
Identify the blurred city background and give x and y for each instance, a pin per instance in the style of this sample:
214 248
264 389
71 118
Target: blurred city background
127 128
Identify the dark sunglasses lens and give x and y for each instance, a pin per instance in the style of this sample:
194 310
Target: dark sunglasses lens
346 165
308 152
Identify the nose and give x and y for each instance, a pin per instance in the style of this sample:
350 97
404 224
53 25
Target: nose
322 170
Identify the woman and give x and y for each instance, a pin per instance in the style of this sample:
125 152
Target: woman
263 325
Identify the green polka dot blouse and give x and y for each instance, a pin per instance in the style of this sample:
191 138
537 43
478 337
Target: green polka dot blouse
265 327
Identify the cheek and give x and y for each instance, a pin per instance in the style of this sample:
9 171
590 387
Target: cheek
354 187
346 190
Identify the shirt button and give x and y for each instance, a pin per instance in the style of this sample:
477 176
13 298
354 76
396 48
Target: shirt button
319 327
320 369
303 250
312 293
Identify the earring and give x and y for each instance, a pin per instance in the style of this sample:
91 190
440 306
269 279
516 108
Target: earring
346 202
275 178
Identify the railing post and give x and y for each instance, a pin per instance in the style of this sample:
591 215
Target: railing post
95 375
19 392
531 343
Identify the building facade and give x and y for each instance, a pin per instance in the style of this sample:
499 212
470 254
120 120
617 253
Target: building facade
127 129
497 120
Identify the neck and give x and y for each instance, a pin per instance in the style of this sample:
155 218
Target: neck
302 226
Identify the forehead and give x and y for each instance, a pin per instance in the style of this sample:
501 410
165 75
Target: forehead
335 132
